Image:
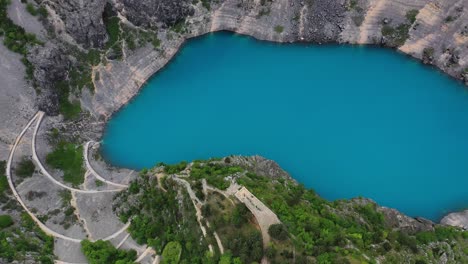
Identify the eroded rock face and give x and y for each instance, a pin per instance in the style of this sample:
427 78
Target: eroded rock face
259 165
410 225
50 66
83 20
151 13
324 20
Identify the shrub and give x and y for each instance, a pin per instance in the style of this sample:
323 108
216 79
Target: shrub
278 232
171 253
5 221
279 29
25 168
103 252
411 15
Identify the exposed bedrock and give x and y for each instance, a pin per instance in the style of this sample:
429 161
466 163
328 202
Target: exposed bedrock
152 13
50 66
459 219
82 20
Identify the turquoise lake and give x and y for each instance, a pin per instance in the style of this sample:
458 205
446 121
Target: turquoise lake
346 121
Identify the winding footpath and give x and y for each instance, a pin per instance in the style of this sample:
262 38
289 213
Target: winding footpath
91 169
39 116
44 228
36 159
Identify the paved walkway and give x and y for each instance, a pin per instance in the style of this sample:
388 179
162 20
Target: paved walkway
15 193
265 217
91 169
38 116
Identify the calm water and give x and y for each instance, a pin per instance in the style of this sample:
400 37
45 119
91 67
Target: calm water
345 121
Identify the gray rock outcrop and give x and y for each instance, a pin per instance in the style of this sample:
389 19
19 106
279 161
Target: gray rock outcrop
83 20
153 13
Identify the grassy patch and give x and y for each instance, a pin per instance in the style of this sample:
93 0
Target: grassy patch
5 221
68 157
113 30
279 29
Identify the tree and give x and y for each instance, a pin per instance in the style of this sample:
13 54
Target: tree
171 253
103 252
278 232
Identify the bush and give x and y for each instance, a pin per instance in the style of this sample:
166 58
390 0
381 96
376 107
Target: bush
171 253
279 29
25 168
5 221
278 232
103 252
411 15
3 178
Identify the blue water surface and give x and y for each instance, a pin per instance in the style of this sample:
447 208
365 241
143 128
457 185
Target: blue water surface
346 121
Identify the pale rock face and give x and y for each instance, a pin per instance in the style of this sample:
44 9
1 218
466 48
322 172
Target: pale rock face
459 219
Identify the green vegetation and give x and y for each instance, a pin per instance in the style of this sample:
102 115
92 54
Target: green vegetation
180 27
398 35
41 11
25 168
68 210
411 15
136 38
5 221
98 183
206 4
16 39
174 168
25 243
68 157
278 232
69 110
325 230
236 227
313 230
214 173
449 19
113 30
3 179
279 29
171 253
103 252
158 217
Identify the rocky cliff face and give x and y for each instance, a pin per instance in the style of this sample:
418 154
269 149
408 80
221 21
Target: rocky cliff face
154 13
83 20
